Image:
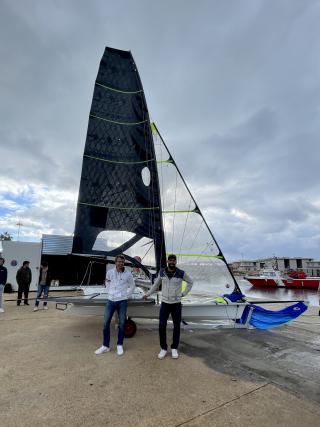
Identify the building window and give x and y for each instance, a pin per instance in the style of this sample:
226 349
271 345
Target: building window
299 263
286 263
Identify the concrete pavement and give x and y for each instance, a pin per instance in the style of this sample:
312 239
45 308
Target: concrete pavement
50 376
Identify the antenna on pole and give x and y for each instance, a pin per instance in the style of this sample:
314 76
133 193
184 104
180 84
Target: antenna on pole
19 224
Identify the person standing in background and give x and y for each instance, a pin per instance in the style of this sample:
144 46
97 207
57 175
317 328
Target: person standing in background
24 277
43 286
3 281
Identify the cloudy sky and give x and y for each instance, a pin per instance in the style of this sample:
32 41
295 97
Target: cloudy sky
233 86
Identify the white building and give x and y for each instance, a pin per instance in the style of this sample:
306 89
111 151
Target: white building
15 253
283 264
313 268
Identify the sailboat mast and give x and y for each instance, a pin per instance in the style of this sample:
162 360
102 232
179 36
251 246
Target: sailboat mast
159 239
220 255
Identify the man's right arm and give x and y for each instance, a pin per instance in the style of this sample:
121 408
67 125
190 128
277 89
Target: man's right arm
154 287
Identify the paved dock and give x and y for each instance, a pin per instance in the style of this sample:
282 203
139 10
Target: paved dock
49 375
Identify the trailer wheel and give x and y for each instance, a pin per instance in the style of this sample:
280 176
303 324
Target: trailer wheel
130 328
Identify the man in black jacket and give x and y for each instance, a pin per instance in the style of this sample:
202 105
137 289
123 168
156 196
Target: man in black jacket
3 281
24 277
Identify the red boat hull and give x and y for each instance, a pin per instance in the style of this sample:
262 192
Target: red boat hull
308 283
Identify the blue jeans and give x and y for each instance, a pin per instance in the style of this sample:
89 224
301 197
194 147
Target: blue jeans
42 289
121 308
1 295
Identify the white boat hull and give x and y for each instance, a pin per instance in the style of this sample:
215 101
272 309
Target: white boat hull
196 309
190 312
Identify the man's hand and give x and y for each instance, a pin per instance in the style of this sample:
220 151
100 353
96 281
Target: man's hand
145 297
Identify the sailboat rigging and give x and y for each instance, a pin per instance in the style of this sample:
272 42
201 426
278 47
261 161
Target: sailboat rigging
133 200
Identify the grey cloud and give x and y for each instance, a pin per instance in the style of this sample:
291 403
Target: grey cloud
233 87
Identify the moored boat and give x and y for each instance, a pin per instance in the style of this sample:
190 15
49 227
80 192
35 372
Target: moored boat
273 278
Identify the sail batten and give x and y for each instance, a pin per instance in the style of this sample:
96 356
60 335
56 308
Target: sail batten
200 255
124 208
118 90
118 161
119 123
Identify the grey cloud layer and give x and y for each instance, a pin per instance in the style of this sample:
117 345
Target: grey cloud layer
233 87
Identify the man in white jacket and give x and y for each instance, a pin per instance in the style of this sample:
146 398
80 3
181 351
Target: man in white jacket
120 286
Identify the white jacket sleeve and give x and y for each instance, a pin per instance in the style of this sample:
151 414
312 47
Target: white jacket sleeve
189 281
154 287
131 286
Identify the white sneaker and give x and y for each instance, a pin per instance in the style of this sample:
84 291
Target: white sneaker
45 307
174 353
102 349
162 354
1 310
36 309
119 350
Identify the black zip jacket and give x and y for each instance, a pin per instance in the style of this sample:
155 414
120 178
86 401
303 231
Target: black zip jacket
3 275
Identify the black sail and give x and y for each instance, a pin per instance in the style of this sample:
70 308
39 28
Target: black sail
119 146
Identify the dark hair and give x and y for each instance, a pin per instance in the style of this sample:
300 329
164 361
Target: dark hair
172 256
44 263
25 262
2 259
119 256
